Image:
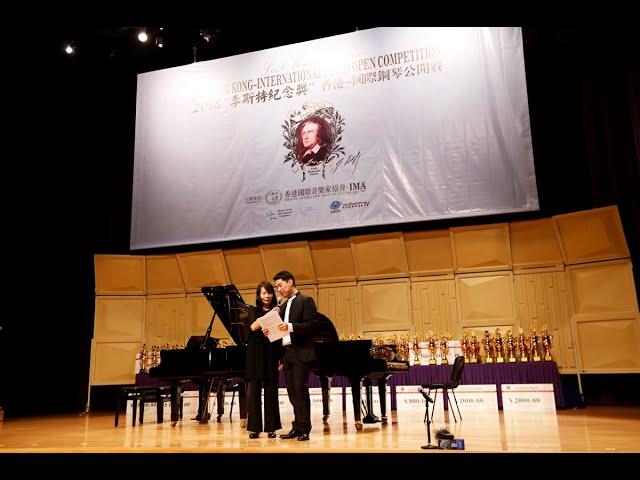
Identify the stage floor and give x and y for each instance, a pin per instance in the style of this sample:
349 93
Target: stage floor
593 429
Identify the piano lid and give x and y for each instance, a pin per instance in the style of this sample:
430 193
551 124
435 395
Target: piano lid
236 316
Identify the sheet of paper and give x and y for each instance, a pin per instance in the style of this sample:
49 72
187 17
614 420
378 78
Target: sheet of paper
271 321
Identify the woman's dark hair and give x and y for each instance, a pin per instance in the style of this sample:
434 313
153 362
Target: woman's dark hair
324 133
269 288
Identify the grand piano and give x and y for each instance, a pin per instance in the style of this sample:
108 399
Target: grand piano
364 364
205 364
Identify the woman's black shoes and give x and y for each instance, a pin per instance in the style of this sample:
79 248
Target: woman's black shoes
254 435
271 434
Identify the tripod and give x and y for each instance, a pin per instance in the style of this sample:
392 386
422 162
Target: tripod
428 400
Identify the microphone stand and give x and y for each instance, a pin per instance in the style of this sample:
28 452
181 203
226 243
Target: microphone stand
429 400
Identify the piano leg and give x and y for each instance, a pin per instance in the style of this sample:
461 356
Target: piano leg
355 391
176 393
325 384
369 417
220 400
204 387
382 391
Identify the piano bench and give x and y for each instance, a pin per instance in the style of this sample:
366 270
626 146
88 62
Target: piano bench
143 395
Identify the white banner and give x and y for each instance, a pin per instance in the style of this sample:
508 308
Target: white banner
409 400
476 398
150 411
528 397
380 126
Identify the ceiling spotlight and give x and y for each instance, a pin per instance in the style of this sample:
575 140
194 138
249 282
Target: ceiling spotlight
69 49
142 36
206 35
159 41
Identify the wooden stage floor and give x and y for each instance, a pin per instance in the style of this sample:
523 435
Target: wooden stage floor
593 429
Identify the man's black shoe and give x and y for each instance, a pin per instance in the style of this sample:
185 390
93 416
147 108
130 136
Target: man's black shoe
303 436
291 434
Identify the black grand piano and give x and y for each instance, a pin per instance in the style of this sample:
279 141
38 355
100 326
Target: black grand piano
363 364
205 364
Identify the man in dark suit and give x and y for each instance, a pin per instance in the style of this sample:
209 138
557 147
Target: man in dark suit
300 317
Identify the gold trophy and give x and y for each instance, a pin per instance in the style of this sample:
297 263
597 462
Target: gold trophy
443 348
416 351
486 343
499 347
546 344
403 348
474 348
464 346
534 342
431 345
522 346
511 348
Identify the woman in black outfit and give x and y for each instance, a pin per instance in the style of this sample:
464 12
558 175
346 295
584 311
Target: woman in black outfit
262 370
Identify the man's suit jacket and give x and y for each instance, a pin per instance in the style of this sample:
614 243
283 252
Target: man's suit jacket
303 317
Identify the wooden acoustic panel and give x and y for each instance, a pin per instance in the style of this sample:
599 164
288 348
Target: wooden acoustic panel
119 274
602 291
293 257
245 267
481 248
429 253
543 299
591 235
340 303
534 244
310 291
485 299
610 345
434 306
166 319
385 305
198 317
119 318
114 363
379 256
163 275
201 269
333 260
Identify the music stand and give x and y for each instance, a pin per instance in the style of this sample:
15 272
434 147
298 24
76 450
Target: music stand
429 400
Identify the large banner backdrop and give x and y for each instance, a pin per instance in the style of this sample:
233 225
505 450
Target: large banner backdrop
382 126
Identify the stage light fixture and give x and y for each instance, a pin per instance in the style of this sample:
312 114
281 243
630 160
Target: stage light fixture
69 49
142 36
160 38
206 35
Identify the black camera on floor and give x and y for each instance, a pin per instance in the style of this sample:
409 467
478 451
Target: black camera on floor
446 441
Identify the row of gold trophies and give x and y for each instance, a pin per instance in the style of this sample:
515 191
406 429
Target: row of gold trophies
533 347
147 359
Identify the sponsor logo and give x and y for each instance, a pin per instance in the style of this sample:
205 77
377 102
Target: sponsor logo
271 215
306 209
273 197
335 205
